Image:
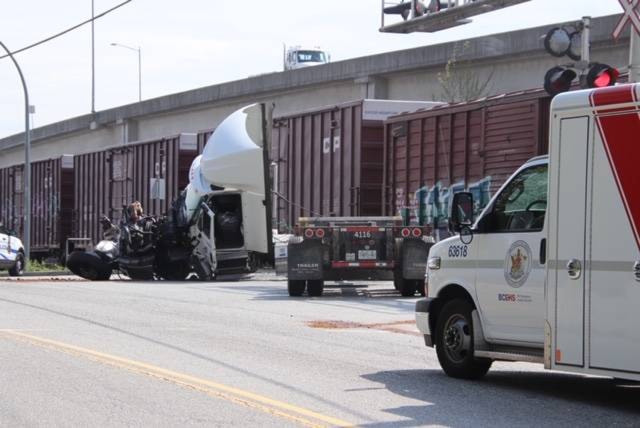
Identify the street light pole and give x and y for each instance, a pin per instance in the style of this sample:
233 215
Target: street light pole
139 50
27 162
93 60
139 74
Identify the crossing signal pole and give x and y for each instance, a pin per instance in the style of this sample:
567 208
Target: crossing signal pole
631 15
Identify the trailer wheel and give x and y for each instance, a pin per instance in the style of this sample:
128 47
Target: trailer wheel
18 267
420 288
454 342
406 287
296 287
315 287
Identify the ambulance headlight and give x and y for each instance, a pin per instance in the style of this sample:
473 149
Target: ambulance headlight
434 263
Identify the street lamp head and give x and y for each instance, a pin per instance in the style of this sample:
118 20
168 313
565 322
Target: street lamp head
139 51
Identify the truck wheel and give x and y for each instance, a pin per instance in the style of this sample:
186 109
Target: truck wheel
454 342
18 268
88 265
296 287
315 287
176 271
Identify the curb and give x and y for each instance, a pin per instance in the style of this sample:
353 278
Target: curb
259 276
31 274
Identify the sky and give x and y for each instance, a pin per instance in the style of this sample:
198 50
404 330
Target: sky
195 43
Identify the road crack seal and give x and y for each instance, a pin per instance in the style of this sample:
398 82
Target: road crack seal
392 327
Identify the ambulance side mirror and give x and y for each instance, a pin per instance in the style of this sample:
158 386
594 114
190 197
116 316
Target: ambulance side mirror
461 214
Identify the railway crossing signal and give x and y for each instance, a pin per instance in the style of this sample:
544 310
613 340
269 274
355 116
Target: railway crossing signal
631 15
573 41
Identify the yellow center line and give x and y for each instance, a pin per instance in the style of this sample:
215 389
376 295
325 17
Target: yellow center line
239 396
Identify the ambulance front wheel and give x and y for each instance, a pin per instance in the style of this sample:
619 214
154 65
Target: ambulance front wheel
454 342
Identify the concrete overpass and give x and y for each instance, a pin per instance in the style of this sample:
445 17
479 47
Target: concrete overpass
514 60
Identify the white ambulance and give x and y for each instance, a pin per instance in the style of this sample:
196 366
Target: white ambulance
11 252
550 271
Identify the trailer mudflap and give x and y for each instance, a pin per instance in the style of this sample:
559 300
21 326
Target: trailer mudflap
305 260
413 258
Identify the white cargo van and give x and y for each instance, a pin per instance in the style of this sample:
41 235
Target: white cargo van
550 271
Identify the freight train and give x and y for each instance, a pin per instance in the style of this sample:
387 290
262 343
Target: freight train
363 158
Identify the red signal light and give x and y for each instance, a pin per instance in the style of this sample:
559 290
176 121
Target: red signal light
405 232
308 233
320 233
416 232
600 76
602 80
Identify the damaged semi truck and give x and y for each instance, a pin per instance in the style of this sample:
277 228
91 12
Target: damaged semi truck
216 224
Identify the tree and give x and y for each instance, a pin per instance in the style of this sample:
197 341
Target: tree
459 81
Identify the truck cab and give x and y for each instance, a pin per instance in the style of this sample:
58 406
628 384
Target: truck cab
296 57
226 196
11 252
550 270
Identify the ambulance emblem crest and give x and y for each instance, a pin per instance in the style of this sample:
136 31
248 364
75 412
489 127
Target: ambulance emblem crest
517 264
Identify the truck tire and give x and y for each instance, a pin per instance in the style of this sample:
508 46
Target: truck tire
296 287
18 267
315 287
406 287
174 271
454 342
89 265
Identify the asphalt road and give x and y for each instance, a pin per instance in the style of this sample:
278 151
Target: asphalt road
245 354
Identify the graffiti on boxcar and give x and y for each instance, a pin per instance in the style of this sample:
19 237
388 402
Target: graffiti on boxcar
430 203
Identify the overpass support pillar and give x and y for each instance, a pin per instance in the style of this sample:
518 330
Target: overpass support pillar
373 87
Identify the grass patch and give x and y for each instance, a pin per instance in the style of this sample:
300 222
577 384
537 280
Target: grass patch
40 266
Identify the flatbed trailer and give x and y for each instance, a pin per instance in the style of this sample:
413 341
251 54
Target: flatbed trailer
337 248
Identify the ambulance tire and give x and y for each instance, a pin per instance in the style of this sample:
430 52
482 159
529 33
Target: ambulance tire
315 287
296 287
454 342
18 267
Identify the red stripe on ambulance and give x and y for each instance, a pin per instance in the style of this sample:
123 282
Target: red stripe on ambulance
620 135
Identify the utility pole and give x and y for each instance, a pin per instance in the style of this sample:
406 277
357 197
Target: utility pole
93 59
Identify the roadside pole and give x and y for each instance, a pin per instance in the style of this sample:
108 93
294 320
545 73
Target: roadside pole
631 16
634 57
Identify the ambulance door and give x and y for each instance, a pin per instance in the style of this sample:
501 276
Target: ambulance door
615 245
567 264
510 274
